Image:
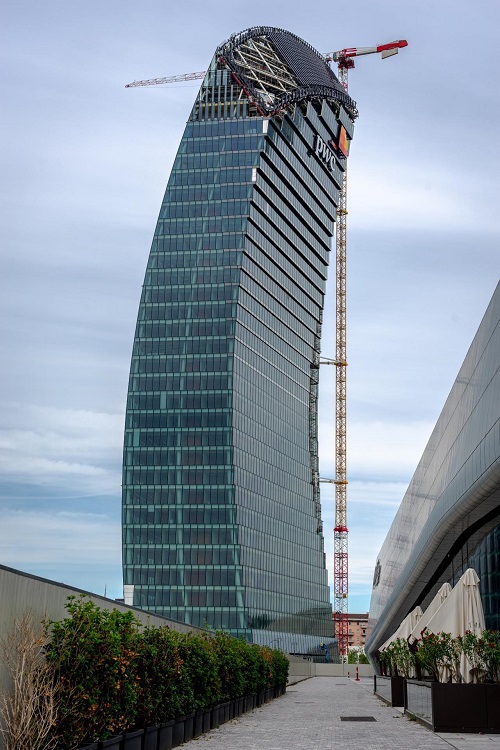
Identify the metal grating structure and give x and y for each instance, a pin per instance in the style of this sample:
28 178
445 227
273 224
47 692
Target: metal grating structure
340 539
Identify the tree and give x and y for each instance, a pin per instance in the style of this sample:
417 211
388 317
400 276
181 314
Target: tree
29 709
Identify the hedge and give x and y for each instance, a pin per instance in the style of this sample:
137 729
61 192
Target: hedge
115 676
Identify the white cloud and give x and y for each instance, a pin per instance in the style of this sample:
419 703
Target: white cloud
388 450
31 538
404 197
76 449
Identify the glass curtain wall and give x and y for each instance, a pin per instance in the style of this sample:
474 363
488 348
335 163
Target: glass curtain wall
220 526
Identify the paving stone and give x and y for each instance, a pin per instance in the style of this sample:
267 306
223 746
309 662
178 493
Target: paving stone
308 717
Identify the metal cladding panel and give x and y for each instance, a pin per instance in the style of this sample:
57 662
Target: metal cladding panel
306 64
452 499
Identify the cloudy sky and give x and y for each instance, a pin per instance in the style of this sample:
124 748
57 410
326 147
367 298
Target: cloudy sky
84 167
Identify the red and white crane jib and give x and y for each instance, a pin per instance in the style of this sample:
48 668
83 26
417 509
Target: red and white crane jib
344 56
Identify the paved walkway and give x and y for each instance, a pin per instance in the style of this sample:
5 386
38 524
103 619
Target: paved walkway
309 717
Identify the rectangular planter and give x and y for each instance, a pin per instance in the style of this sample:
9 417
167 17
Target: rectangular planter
198 724
224 712
390 689
132 740
207 720
188 727
165 735
216 716
448 707
151 738
178 731
114 742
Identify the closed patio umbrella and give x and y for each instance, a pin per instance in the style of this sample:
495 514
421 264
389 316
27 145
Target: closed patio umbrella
462 610
431 610
405 628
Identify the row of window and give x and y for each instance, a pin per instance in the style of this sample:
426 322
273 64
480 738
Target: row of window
181 382
177 401
196 477
195 251
215 161
161 421
208 516
189 293
203 209
182 311
211 225
180 496
183 346
184 555
212 176
223 127
183 576
179 535
208 193
219 144
182 363
181 438
171 457
172 277
188 597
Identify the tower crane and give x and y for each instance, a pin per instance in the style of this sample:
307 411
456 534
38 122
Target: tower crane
345 61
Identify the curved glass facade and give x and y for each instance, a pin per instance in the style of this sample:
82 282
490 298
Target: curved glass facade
449 519
221 525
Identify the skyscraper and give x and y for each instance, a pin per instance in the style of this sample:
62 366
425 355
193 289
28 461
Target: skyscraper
221 514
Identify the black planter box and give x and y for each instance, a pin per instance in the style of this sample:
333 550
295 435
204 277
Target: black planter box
449 707
198 723
89 746
165 735
178 731
207 720
132 740
216 717
151 738
390 689
188 727
115 742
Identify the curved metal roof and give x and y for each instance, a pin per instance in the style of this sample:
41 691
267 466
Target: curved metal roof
277 67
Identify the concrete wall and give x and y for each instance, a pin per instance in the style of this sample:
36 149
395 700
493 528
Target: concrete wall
43 599
302 669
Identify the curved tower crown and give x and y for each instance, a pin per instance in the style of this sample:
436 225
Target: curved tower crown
221 515
278 68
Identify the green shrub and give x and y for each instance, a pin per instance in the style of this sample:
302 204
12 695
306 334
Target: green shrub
201 671
93 654
281 666
164 687
230 658
112 677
